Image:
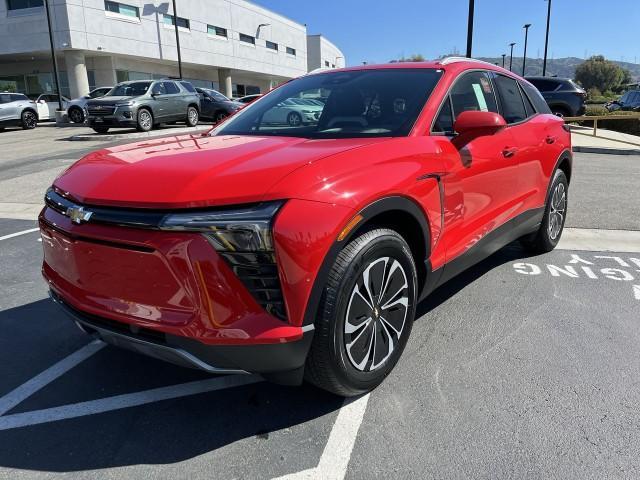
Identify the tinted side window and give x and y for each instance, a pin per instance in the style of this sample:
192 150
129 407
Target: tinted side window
5 98
159 89
536 98
171 87
473 91
544 85
528 106
16 97
512 105
188 87
444 120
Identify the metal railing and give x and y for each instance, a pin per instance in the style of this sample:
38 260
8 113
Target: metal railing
596 118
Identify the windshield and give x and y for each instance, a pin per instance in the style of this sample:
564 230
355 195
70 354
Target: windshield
362 103
130 89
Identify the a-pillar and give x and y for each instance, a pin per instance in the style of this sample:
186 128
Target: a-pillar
76 73
224 79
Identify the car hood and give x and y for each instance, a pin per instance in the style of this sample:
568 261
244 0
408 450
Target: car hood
110 100
193 171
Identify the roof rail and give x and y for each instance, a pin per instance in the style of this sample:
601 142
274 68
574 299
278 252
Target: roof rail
448 60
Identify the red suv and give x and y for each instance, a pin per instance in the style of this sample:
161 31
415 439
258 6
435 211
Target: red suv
302 251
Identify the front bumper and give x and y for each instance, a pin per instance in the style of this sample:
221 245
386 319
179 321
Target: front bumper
121 116
218 359
110 121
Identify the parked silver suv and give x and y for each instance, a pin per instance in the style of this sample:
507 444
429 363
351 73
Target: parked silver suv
143 104
17 110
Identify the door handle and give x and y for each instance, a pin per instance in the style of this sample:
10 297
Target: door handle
550 139
509 152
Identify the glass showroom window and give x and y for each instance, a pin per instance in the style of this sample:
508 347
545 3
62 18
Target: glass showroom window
182 22
291 51
219 31
20 4
122 9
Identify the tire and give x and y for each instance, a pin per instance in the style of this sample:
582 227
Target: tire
192 116
219 116
144 120
555 214
100 129
342 359
294 119
560 112
28 120
76 115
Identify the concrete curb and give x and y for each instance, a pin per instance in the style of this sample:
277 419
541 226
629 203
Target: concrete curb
606 150
102 137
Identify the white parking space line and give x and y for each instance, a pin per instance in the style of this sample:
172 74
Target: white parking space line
594 240
337 453
127 400
27 389
17 234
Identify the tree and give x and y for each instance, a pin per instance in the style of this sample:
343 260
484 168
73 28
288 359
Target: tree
597 72
415 57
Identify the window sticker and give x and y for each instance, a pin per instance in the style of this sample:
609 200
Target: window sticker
482 103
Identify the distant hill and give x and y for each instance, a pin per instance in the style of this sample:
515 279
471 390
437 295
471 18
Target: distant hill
561 67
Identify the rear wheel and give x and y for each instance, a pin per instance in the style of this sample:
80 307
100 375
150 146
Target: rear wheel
192 116
555 214
76 115
145 120
100 129
29 120
365 316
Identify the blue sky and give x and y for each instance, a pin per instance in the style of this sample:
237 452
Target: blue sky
378 31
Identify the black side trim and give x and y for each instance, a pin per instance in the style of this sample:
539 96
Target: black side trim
524 224
370 211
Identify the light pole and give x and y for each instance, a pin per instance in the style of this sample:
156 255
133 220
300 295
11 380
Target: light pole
470 28
511 56
546 40
524 58
503 57
53 56
175 24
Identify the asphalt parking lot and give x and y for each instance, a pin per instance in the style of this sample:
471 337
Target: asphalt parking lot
522 367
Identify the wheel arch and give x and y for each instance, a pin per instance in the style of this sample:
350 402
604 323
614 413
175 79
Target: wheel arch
395 212
30 109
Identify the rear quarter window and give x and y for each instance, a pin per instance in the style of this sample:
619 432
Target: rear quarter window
188 87
536 98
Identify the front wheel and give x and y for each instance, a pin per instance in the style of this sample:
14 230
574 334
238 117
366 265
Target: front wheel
294 119
555 215
76 115
365 316
219 116
29 120
145 120
192 116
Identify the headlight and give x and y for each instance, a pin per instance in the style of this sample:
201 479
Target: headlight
234 229
125 104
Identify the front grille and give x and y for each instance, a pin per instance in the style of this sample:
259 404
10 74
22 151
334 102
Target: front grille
259 274
95 110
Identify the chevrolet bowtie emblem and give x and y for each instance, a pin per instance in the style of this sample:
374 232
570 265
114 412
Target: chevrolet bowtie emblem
78 214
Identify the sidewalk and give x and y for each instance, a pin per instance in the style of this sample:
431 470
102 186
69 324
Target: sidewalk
583 141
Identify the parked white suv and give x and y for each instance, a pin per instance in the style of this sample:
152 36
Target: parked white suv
17 110
76 110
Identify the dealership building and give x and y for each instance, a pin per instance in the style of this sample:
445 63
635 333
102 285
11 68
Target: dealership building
234 46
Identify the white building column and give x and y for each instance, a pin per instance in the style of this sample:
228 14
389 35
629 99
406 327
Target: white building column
104 72
76 73
224 79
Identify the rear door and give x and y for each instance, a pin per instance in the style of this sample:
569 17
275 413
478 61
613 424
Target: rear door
481 174
161 101
177 107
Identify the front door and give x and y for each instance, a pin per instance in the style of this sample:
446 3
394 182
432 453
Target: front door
480 173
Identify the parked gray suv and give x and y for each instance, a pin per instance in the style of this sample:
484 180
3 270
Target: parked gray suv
17 110
144 104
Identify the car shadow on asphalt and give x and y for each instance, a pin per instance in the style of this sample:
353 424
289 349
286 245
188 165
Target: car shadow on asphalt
270 421
510 253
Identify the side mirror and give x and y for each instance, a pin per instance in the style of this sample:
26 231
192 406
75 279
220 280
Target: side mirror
478 123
